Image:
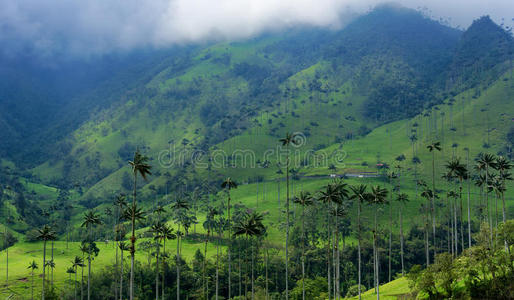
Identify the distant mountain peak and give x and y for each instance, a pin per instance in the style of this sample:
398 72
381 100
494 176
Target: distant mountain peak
482 50
486 28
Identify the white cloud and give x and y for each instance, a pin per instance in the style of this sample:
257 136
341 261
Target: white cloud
98 26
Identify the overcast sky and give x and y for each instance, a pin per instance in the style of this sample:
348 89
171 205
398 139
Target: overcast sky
101 26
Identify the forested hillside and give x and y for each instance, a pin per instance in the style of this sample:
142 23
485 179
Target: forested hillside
376 147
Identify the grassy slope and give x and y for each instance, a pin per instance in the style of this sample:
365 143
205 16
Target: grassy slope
391 290
389 140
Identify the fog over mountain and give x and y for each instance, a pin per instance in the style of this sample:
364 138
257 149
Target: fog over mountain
52 27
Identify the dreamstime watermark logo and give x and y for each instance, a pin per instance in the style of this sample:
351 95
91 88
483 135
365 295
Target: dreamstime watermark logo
295 152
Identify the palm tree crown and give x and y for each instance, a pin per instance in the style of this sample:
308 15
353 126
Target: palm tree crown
46 233
140 165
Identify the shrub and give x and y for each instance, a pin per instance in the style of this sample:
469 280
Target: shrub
354 290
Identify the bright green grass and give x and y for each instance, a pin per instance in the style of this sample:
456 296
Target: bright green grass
391 290
22 254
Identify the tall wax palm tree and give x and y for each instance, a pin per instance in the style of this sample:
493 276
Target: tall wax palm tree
390 175
402 199
180 207
329 196
123 247
487 162
339 211
83 249
120 203
503 165
480 182
90 219
289 139
45 234
304 199
435 146
377 197
157 230
208 225
251 226
469 196
140 166
32 266
219 227
159 210
70 271
459 171
453 220
497 187
428 195
167 234
360 194
229 184
92 251
76 263
51 265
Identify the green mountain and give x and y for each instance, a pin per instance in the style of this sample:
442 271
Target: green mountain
338 88
373 93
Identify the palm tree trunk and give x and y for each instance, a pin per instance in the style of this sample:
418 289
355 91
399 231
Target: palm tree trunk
82 279
337 257
401 241
204 266
228 249
52 269
496 215
164 266
287 224
217 267
450 216
390 233
121 277
504 220
266 275
303 253
89 277
461 218
469 204
328 253
75 286
240 276
6 258
333 264
253 288
376 256
44 267
246 269
116 268
133 240
455 232
426 220
157 273
487 202
178 262
359 243
433 203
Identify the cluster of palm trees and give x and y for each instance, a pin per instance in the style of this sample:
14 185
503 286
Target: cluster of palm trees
336 199
491 174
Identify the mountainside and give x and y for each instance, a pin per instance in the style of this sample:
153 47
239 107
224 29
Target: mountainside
181 106
366 97
373 66
483 53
